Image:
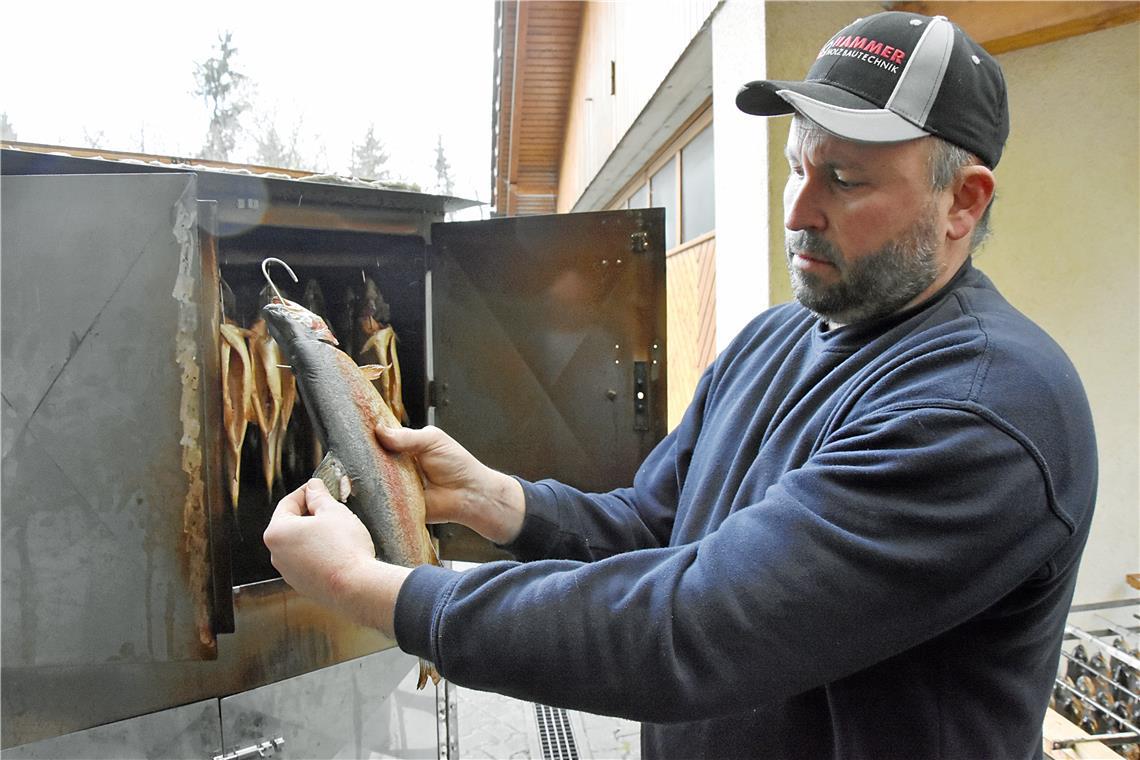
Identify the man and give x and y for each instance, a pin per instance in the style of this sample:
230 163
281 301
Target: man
862 539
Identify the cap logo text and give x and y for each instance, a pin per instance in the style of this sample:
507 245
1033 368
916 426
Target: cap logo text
850 44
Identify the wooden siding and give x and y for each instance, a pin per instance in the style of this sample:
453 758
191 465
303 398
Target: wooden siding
537 46
627 49
1000 27
690 277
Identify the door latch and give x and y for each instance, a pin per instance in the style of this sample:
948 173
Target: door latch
640 396
267 748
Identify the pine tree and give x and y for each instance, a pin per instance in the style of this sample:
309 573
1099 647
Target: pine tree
7 130
221 87
369 157
443 183
273 151
94 139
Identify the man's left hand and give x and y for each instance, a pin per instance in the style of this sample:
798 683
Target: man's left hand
324 552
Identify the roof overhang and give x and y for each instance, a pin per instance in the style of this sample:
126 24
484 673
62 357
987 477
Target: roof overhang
536 52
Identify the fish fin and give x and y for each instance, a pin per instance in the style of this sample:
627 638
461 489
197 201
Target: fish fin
427 670
373 371
433 553
335 477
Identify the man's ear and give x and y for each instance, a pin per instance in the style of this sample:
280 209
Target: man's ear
973 189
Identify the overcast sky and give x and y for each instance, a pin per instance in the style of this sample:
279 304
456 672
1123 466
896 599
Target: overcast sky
122 73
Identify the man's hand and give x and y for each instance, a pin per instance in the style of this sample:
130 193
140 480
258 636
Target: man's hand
324 552
459 488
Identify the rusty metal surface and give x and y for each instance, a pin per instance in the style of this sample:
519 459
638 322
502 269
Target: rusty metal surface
539 325
102 484
218 513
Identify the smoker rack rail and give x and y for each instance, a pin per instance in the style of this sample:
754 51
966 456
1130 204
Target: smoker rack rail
1098 688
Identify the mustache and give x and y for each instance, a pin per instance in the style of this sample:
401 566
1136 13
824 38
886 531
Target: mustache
812 244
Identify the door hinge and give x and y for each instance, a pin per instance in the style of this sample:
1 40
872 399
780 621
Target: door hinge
639 241
437 394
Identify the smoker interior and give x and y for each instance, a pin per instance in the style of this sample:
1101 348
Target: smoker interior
339 262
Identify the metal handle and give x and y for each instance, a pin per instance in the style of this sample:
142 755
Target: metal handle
265 749
1124 737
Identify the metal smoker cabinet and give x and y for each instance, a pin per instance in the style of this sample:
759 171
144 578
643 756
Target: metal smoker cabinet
140 614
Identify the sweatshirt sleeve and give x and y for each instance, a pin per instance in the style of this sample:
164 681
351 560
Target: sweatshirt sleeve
932 510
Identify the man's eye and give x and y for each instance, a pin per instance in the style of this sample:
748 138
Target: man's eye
839 179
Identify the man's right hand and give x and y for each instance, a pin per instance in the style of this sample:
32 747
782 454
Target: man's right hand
458 487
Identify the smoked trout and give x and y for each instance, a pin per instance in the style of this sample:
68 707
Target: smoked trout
383 489
268 391
237 389
377 341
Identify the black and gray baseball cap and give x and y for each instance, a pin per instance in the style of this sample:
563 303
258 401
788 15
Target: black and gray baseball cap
897 76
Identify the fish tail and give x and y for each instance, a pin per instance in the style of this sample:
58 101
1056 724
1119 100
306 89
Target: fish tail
427 670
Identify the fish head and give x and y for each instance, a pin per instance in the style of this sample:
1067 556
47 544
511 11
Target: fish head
289 322
373 311
313 298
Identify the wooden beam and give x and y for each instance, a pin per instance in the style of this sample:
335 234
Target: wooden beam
1000 27
1057 728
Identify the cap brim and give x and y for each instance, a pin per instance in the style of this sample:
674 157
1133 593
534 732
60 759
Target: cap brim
838 111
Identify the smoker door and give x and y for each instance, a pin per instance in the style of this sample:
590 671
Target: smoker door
549 344
105 408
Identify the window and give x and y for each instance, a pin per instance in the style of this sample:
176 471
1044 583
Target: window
663 194
679 179
640 198
698 194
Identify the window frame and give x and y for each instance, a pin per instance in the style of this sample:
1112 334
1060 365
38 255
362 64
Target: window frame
671 151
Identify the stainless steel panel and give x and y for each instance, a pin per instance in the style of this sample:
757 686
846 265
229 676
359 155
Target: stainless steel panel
368 707
105 555
539 326
191 731
279 635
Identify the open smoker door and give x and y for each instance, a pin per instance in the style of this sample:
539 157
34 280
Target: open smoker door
549 347
106 353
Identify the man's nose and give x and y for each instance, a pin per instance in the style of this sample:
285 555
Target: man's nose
802 210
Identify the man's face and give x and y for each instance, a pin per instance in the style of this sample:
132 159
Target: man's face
863 234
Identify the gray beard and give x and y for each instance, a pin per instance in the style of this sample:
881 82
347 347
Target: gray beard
872 286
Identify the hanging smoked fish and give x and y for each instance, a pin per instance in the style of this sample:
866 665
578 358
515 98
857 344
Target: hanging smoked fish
378 347
344 319
267 389
237 389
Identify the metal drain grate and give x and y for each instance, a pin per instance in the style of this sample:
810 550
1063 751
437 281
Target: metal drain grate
555 733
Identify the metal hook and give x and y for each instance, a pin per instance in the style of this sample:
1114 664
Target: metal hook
265 271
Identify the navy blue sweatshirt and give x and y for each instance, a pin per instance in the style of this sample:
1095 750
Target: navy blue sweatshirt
858 543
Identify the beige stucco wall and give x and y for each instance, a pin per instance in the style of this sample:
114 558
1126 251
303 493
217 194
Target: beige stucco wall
1066 244
1065 251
